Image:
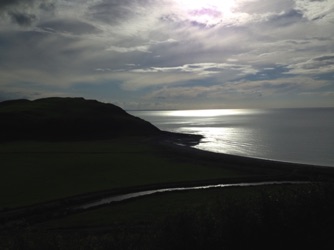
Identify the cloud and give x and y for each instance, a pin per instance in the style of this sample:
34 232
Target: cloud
25 12
285 18
134 81
201 69
70 26
168 49
143 48
9 3
318 65
321 94
230 90
315 9
114 12
22 19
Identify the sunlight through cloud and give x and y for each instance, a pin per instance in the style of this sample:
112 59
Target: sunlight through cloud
207 12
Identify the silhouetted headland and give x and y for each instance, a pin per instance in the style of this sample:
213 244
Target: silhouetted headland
73 119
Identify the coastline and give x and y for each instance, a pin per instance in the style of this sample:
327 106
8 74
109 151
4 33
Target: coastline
184 146
178 146
269 134
295 162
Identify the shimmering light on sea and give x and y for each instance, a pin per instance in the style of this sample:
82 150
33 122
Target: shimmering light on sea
209 112
225 140
296 135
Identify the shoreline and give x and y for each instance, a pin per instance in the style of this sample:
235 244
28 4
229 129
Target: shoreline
256 170
180 146
269 159
185 148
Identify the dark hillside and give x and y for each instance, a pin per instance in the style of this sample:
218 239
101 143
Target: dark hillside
67 118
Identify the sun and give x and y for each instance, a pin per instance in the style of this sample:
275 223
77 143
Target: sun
207 12
219 5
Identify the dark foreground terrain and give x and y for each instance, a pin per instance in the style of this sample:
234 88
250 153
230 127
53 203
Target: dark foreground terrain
54 158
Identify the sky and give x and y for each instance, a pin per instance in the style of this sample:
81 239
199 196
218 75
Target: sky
170 54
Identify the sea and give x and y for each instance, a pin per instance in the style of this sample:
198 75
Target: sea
304 135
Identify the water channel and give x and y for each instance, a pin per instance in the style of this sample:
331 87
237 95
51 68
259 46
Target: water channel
123 197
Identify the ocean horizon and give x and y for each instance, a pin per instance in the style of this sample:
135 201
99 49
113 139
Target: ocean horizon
299 135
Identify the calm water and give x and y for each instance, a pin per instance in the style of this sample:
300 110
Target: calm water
294 135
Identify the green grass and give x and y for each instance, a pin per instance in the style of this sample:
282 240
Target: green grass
33 172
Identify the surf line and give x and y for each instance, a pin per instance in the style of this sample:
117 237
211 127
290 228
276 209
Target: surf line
123 197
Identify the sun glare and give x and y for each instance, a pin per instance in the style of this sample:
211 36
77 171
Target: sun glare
207 12
204 7
207 112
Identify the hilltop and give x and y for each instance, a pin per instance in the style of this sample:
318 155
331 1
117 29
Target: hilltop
68 118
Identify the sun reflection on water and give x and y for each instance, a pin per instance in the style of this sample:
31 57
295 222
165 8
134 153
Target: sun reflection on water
229 140
279 134
208 112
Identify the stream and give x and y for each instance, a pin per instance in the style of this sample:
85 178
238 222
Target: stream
123 197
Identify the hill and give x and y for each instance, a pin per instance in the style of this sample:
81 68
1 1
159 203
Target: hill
67 119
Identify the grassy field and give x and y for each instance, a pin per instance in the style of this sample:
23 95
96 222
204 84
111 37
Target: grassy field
266 217
34 172
274 217
156 208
